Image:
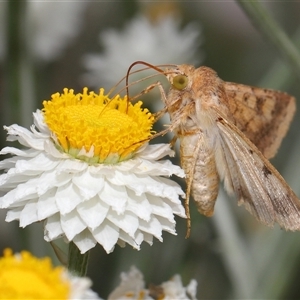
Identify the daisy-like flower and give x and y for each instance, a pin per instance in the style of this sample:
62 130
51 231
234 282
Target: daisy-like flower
24 276
51 26
132 287
162 42
88 173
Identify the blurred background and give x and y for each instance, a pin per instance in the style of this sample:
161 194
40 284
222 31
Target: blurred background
47 46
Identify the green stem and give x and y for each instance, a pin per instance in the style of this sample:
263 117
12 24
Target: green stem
273 32
15 11
77 262
279 75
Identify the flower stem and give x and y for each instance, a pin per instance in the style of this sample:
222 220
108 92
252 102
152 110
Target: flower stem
77 262
273 32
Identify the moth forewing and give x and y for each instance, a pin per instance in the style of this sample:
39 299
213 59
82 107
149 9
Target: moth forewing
263 115
257 183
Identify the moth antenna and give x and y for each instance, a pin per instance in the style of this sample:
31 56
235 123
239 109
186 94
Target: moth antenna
135 82
123 78
148 65
139 62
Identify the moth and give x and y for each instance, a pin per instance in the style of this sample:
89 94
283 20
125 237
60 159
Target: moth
227 132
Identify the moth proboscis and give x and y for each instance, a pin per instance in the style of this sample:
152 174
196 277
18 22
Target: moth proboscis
227 132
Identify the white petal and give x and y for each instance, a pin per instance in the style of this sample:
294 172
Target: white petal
107 235
29 214
155 152
52 151
172 190
93 212
167 225
128 166
132 282
115 196
135 241
102 170
19 152
46 205
191 289
160 208
177 208
71 224
67 198
24 137
7 199
148 238
38 186
152 227
159 168
84 241
73 166
17 196
139 184
13 214
80 289
127 221
88 185
40 163
139 205
8 163
52 228
38 119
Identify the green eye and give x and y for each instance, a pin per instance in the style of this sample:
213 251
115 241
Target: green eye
180 82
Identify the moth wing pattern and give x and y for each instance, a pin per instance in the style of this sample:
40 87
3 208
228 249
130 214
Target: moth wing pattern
263 115
254 180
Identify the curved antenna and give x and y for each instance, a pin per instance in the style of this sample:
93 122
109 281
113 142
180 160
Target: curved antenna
139 62
137 81
148 65
124 77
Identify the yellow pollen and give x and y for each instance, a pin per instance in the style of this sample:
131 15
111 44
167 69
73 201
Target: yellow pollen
95 128
23 276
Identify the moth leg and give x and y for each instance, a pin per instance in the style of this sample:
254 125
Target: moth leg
160 113
161 133
173 141
187 206
189 181
146 90
190 175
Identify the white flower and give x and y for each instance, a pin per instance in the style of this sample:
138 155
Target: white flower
24 276
82 200
49 26
132 287
173 289
80 288
156 43
53 25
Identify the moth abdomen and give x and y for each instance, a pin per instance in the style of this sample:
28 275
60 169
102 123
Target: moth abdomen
198 162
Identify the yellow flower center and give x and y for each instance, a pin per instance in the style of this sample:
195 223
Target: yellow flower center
26 277
95 128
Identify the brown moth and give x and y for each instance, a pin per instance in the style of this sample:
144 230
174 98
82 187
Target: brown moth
227 132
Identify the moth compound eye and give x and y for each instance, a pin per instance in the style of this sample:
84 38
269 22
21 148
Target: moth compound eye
180 82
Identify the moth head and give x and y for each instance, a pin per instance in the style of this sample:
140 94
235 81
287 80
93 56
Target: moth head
180 82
